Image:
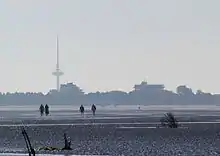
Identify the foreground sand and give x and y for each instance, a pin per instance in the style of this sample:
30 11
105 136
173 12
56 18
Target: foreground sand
116 138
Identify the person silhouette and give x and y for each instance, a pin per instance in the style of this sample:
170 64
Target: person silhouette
93 109
81 109
47 110
41 110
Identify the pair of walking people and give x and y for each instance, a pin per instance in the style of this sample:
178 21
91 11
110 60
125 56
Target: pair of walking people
82 109
44 110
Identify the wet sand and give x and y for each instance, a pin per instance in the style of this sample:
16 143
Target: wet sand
115 131
127 136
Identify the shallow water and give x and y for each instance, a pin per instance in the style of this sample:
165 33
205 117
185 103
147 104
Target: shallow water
112 123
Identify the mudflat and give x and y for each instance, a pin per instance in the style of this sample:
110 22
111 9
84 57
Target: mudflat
127 136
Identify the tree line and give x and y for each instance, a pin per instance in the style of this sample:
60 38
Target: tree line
142 94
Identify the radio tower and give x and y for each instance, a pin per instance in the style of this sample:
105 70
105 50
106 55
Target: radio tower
58 72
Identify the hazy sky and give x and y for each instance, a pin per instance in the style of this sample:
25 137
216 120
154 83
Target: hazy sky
110 44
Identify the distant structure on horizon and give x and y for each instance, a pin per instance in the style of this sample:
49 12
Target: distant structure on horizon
149 87
58 72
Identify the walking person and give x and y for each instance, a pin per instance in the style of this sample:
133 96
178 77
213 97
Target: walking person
93 109
139 107
47 110
81 109
41 109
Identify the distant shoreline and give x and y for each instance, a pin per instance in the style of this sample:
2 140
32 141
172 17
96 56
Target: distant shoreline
141 94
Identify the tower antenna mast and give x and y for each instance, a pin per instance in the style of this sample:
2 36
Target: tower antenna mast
58 72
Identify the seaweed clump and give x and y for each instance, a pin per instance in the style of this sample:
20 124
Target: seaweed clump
169 120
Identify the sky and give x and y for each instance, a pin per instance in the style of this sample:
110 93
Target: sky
110 44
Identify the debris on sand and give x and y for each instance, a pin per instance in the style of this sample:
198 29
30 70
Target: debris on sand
31 151
169 120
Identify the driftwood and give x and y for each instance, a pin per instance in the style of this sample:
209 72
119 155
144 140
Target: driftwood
48 148
67 143
31 150
67 146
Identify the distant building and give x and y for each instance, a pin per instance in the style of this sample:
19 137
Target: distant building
71 88
149 87
53 92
